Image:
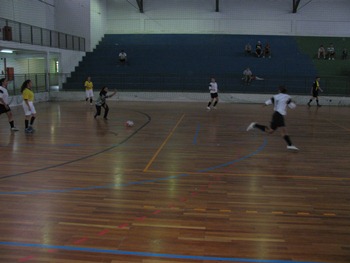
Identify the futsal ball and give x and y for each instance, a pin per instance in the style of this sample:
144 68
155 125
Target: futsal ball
129 123
292 105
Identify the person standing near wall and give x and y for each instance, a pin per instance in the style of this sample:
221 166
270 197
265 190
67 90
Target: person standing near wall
314 91
28 105
213 89
4 107
89 90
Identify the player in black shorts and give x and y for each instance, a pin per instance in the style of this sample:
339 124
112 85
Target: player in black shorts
4 107
280 103
314 91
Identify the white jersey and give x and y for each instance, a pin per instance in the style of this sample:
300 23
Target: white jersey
280 102
213 87
4 95
122 55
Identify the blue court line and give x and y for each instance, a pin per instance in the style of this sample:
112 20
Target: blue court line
196 134
260 148
147 254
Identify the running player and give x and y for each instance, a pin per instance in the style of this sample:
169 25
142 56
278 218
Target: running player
280 102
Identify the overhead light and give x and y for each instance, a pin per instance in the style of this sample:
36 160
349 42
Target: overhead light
6 51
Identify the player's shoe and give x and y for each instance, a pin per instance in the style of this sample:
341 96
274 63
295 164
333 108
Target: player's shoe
208 108
27 130
251 126
214 108
292 148
14 129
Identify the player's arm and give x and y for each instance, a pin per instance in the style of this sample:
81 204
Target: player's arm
114 92
269 102
291 104
3 103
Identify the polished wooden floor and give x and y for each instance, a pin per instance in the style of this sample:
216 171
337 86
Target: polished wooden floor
182 185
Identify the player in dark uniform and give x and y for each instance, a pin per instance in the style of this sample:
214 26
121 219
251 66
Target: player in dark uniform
101 102
314 91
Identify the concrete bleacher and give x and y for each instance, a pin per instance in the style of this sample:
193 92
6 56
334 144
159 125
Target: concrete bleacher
170 62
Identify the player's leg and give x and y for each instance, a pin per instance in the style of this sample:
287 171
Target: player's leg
106 108
318 104
286 137
33 116
311 99
216 100
8 112
98 111
209 103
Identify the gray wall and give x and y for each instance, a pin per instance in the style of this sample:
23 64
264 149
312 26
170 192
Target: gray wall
254 17
92 19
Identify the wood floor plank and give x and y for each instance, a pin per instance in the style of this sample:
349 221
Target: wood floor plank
182 185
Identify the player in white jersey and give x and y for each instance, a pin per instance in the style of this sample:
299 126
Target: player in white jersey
4 107
280 103
213 89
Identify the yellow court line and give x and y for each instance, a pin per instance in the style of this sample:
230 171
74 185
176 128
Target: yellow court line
163 144
338 125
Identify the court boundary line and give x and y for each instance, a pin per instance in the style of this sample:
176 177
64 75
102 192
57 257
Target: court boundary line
87 156
148 254
163 144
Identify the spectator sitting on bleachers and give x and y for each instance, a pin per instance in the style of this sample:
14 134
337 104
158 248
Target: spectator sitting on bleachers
321 52
122 57
331 52
247 49
247 76
344 54
258 49
267 51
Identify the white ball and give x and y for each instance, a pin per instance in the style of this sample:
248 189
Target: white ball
292 105
129 123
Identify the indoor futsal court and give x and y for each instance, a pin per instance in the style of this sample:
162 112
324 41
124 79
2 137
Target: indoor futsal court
182 185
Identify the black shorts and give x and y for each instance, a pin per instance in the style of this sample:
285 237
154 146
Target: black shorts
214 95
277 121
315 93
3 109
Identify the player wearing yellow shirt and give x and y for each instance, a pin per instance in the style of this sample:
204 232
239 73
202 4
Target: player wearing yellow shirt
89 89
28 105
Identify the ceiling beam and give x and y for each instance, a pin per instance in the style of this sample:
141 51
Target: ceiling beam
140 4
295 5
217 6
